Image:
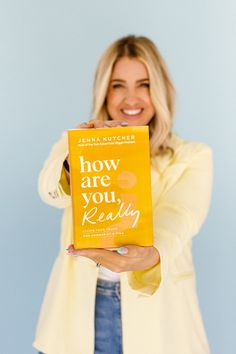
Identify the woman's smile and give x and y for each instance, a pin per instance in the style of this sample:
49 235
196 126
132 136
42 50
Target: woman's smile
128 94
132 113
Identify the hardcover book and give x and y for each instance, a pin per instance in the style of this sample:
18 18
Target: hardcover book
110 180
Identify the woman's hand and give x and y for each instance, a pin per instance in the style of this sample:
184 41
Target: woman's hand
96 123
124 259
99 124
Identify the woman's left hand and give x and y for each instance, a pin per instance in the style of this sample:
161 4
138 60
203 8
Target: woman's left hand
124 259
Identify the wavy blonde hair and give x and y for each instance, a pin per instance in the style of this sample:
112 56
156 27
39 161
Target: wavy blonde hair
162 91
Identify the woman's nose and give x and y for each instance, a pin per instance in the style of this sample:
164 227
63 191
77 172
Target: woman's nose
131 98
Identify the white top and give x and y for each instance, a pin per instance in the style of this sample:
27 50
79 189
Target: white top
107 274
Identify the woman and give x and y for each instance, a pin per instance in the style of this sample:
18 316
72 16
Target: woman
139 299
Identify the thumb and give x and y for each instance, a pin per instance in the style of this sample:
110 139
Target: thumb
132 250
122 250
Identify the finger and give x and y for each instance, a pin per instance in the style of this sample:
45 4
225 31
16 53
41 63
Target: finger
94 123
107 124
70 249
115 123
134 251
85 125
97 123
127 250
108 259
122 250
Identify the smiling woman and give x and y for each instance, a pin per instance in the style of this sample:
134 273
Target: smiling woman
133 299
129 98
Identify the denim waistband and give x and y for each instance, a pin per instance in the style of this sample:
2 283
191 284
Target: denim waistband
108 284
108 288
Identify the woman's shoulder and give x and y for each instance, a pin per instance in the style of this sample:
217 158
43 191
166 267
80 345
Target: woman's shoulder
184 149
185 152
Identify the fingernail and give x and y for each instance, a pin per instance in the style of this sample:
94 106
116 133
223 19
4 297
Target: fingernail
124 124
122 250
73 254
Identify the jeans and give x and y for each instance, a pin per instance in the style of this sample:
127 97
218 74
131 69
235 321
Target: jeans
108 328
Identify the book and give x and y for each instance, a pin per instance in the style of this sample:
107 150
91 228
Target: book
110 178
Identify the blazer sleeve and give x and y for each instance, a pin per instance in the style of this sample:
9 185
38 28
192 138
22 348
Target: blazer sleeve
53 187
177 217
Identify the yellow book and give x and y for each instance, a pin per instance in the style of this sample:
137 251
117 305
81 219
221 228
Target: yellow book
111 187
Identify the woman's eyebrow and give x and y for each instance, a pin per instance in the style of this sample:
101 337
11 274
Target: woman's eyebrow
140 80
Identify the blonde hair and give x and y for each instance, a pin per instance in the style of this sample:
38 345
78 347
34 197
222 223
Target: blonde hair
162 91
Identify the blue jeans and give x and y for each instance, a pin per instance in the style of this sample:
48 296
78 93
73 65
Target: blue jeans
108 328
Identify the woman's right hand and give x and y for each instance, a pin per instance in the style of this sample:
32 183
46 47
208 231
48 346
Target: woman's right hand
96 124
101 124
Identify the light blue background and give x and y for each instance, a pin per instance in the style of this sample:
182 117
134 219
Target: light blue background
49 51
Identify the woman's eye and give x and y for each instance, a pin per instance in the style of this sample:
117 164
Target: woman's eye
145 85
119 85
116 86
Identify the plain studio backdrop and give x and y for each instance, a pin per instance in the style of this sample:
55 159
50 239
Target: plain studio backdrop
49 51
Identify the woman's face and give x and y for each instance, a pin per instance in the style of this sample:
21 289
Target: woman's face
128 96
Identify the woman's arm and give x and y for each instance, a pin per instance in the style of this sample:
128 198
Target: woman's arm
178 215
51 187
54 180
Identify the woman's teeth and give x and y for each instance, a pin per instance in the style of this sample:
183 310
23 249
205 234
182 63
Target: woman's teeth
131 112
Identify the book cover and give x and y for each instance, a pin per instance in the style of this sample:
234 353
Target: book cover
111 187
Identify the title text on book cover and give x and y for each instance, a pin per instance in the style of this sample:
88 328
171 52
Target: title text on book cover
91 214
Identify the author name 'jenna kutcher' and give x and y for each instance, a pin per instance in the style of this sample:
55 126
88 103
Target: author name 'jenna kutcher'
118 138
110 187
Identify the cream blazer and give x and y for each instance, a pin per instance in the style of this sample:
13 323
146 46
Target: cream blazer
159 306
